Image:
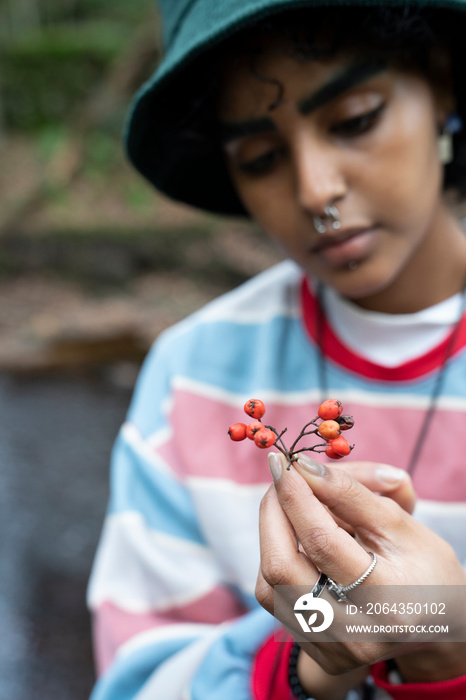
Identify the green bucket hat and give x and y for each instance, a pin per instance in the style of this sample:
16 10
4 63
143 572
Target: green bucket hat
190 172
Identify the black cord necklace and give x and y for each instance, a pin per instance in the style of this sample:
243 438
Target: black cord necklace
439 378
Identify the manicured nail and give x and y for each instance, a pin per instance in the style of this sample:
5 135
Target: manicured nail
311 466
390 475
275 465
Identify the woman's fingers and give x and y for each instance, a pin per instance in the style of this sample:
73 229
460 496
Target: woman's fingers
281 560
384 479
329 547
348 499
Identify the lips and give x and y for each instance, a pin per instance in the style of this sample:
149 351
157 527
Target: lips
349 245
334 239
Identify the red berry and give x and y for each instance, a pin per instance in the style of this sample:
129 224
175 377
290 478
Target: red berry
237 432
252 429
254 408
341 446
330 409
329 429
331 453
345 422
264 438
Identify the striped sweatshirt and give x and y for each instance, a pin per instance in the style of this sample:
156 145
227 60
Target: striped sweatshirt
172 587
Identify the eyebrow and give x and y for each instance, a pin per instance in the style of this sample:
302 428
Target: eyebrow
349 77
341 82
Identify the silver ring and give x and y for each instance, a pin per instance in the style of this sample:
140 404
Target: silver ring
339 591
332 215
320 585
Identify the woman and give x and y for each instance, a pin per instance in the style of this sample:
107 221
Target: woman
323 125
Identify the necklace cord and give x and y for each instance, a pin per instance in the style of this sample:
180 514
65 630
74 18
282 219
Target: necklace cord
438 383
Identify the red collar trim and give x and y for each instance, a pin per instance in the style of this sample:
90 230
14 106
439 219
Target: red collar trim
343 356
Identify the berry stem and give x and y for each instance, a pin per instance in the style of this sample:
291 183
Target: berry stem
304 432
283 447
314 448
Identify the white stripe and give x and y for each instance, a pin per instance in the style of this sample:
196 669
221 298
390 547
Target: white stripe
227 487
172 679
167 633
297 398
276 288
229 519
236 400
448 520
141 570
389 400
454 509
147 448
396 400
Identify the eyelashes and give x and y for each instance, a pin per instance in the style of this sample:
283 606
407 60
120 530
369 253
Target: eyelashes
263 164
358 125
349 128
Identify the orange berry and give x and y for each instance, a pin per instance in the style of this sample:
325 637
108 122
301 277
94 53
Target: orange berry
331 453
254 408
252 429
237 432
329 429
264 438
330 409
341 446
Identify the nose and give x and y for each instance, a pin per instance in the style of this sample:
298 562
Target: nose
319 177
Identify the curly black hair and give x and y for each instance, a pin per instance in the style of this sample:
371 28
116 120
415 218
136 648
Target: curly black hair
406 36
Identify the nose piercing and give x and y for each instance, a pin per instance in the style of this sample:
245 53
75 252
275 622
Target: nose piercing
332 216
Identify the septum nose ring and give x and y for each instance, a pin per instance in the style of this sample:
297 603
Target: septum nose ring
332 217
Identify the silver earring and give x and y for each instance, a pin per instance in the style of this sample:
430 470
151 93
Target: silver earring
453 124
332 215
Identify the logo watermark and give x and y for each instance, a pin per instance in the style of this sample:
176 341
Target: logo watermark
308 604
373 613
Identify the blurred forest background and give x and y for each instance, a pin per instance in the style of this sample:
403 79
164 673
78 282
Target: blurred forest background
93 265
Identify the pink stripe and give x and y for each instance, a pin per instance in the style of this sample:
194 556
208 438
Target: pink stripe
384 434
113 626
204 422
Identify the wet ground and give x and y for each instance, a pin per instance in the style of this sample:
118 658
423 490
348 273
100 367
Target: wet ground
55 439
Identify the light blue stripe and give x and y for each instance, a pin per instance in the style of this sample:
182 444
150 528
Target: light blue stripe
225 671
165 504
126 678
151 392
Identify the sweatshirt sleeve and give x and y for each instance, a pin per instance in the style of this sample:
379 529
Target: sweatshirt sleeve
270 671
454 689
169 619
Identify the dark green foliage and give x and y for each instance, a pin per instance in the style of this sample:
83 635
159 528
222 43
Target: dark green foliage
46 75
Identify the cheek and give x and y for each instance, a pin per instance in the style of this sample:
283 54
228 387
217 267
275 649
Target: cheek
404 171
271 203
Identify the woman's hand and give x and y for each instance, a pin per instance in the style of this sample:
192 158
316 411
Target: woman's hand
301 508
379 478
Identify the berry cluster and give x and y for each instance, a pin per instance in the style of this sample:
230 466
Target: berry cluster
330 427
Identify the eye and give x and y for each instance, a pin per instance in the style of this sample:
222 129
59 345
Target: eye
262 165
358 125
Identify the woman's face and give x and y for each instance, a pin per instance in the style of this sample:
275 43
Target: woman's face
348 132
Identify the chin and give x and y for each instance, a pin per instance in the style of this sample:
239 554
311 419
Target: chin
358 286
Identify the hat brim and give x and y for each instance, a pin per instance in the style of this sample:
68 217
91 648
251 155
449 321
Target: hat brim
199 176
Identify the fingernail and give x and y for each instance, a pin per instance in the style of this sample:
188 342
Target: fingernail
390 475
311 466
275 465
